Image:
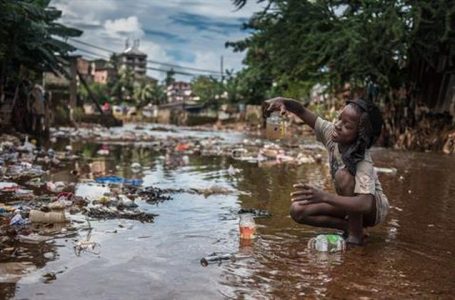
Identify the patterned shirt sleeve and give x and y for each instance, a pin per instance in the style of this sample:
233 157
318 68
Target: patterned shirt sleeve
323 130
365 181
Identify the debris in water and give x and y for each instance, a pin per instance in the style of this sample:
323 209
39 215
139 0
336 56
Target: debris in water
216 258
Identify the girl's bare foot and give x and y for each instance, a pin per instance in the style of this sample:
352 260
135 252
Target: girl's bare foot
354 240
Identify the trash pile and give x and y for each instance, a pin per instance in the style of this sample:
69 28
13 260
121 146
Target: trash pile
32 203
178 148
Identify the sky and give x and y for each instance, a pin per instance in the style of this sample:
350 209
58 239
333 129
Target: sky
190 33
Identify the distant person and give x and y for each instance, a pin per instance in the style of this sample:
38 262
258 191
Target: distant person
106 107
37 108
359 200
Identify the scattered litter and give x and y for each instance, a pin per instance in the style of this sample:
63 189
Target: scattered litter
257 213
110 213
33 238
397 208
391 171
55 187
86 246
233 171
18 220
214 189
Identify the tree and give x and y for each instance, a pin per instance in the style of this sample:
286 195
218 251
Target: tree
400 53
334 42
158 95
30 38
98 90
123 87
208 89
143 92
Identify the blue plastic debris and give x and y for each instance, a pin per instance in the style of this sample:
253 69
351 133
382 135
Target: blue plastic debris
118 180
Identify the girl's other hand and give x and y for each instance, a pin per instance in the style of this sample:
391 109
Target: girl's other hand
307 193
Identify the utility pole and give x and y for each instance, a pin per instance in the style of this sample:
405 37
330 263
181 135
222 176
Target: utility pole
73 86
222 69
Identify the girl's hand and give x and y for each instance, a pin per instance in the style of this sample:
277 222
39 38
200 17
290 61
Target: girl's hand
307 193
275 104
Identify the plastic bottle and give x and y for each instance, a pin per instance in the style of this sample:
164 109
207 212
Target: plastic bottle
216 258
327 243
275 127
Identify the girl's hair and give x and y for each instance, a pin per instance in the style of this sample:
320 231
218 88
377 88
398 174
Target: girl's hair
369 129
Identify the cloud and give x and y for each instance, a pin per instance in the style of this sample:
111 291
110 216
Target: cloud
189 33
128 25
203 23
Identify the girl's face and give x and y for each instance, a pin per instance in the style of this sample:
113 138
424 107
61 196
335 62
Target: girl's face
347 126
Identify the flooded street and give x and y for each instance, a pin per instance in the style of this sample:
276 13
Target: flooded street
409 256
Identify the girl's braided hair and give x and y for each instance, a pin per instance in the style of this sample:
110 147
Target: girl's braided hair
369 129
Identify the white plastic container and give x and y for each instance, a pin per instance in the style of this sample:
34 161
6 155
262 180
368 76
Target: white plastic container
37 216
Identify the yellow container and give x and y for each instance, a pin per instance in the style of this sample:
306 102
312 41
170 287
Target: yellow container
275 127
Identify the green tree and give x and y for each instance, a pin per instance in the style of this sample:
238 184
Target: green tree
30 38
208 89
386 42
99 91
377 46
143 92
123 86
158 95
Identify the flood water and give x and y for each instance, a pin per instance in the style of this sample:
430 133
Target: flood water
409 256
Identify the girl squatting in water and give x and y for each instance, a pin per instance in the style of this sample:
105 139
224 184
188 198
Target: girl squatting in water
359 200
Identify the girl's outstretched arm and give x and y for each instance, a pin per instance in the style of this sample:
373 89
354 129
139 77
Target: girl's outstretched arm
290 105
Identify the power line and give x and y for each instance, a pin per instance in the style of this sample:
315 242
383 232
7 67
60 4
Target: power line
97 56
148 60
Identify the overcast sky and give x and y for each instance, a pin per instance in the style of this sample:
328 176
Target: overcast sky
184 32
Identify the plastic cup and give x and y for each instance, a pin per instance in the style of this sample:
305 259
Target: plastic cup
247 226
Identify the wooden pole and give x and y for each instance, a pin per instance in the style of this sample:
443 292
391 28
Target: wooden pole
84 83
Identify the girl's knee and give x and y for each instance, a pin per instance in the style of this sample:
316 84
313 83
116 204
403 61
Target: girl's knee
345 182
299 213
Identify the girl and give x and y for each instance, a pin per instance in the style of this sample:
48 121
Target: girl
359 200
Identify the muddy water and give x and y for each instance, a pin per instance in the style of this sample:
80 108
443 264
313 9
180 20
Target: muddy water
410 256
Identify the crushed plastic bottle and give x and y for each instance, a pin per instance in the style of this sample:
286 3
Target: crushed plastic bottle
216 258
327 243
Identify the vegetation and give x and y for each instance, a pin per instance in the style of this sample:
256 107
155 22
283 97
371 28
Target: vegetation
398 53
31 39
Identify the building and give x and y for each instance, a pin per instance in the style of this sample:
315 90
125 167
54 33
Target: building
179 91
133 59
102 71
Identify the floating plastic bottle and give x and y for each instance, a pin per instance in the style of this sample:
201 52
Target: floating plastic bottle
247 226
216 258
327 243
276 127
